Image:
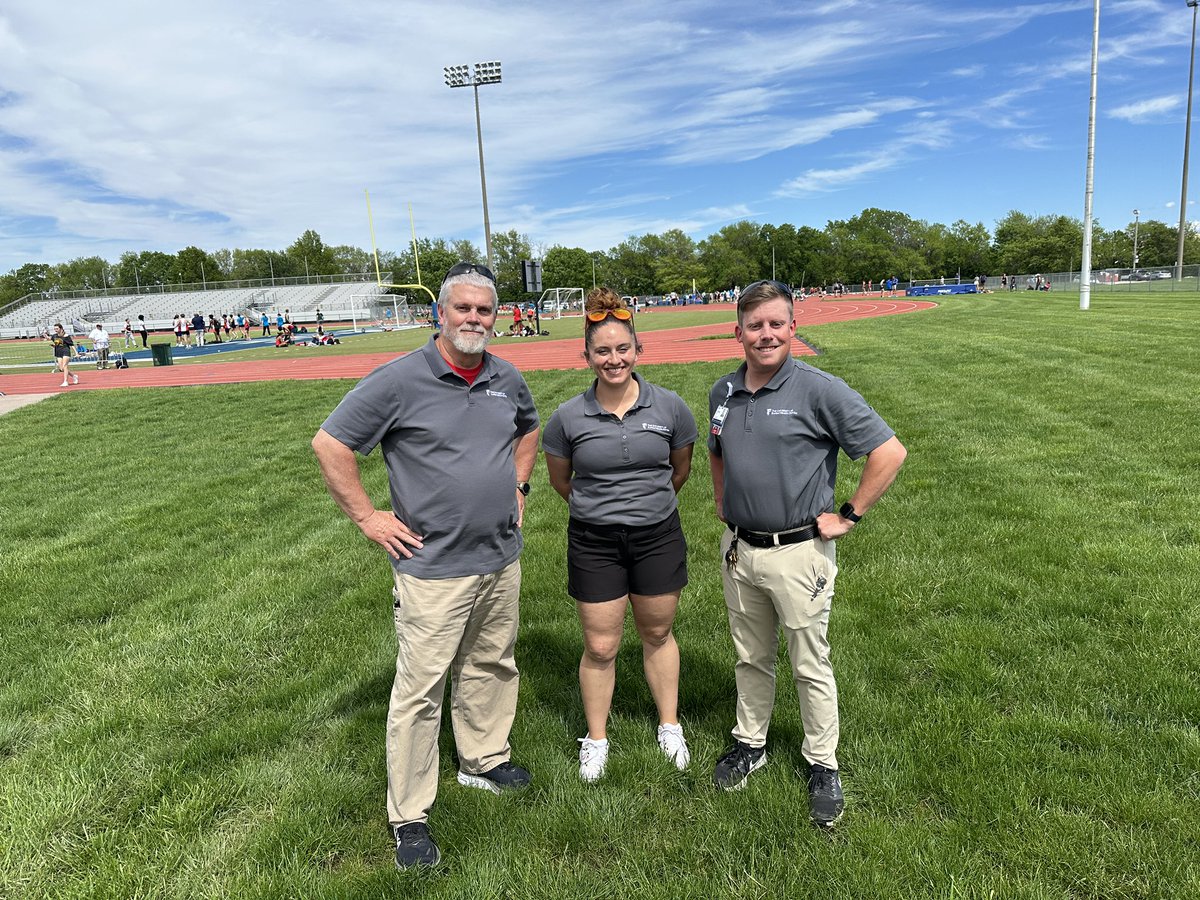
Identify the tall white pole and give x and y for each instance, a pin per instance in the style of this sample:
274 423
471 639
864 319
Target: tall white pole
1187 142
1085 269
487 224
1136 214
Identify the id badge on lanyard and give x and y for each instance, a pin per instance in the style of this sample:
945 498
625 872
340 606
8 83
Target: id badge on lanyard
720 413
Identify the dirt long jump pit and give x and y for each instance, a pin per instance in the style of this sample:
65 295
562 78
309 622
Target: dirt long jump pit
699 343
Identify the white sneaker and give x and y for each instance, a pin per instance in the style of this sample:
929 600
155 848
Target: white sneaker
76 377
674 747
64 384
592 757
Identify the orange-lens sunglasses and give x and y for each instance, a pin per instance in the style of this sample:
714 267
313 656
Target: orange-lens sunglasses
621 313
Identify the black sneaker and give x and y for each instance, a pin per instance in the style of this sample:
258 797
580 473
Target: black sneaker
415 846
825 801
736 765
504 777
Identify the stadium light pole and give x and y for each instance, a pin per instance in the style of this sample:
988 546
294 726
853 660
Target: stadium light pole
462 76
1137 213
1187 142
1085 265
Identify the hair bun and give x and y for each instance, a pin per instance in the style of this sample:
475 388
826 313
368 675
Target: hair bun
602 299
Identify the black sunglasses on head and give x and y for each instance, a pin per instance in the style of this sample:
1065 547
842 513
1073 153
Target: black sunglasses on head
779 287
466 268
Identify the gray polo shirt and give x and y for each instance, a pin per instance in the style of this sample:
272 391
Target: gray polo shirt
622 466
780 444
448 448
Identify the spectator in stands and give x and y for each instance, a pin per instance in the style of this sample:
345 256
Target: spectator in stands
459 478
143 330
100 338
198 328
63 344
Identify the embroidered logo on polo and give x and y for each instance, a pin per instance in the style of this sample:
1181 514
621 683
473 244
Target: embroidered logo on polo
780 412
491 393
661 429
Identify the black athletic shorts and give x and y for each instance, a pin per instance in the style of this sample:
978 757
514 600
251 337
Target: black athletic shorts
605 562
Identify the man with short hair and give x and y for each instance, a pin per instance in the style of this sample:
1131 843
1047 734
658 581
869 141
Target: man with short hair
776 427
100 338
459 433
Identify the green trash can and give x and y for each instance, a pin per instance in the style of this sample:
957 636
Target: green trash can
162 354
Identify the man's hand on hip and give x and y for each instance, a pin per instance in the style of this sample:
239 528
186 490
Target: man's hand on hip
831 526
390 533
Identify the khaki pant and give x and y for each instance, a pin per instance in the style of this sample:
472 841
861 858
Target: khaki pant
789 587
464 628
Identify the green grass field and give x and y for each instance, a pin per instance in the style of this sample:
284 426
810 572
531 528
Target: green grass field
198 648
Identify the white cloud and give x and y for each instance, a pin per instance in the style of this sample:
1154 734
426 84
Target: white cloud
1030 142
820 180
1147 110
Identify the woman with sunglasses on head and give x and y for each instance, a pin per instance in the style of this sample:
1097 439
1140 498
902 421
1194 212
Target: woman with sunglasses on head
618 454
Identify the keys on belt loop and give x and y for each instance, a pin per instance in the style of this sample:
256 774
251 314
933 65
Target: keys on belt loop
731 555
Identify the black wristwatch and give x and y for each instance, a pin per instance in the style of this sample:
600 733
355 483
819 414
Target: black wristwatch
523 487
847 512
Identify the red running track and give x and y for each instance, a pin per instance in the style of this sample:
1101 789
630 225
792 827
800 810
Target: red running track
667 346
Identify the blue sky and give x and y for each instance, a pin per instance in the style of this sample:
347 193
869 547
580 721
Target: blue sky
126 125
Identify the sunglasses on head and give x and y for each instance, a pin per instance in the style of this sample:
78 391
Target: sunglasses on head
466 268
620 313
780 288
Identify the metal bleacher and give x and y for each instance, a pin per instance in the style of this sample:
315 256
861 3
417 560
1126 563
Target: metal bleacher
160 307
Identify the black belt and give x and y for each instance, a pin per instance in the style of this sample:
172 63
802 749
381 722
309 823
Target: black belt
777 538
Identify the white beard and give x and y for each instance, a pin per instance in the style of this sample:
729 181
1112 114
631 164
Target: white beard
469 343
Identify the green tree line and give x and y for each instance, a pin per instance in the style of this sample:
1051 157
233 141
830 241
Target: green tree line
874 245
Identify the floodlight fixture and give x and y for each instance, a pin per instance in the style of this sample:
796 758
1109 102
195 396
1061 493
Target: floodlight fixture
462 76
457 76
487 72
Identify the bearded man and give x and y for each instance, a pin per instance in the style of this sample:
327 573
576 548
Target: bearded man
459 433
